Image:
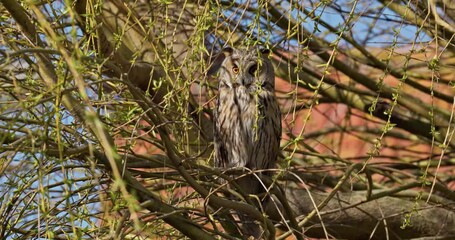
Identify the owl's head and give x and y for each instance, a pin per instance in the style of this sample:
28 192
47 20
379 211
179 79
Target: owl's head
249 68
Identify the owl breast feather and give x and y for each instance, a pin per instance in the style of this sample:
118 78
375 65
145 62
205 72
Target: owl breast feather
244 129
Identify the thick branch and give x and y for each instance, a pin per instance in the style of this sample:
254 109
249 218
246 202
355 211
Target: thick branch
349 216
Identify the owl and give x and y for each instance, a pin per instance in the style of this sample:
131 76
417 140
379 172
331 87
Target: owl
247 118
247 121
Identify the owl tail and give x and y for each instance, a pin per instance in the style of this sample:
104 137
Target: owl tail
249 228
254 189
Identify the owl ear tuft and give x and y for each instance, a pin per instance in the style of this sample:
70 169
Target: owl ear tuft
228 51
264 50
218 59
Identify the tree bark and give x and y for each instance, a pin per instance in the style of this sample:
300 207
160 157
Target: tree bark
350 216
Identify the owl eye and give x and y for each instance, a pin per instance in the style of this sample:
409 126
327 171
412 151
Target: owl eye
235 69
253 69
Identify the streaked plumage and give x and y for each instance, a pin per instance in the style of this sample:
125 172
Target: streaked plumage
247 116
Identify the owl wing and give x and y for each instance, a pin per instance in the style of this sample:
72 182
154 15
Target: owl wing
221 154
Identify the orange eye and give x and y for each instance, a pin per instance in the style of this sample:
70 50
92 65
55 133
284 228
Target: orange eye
235 69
